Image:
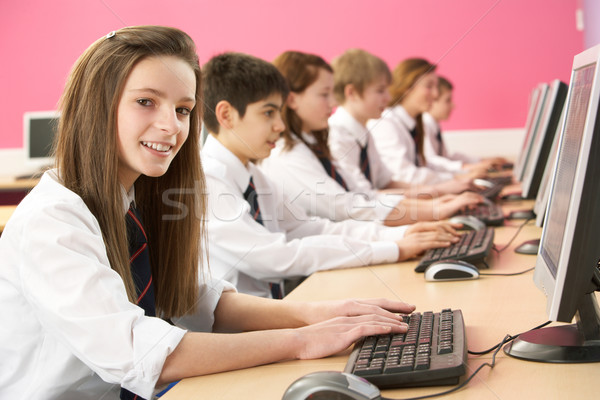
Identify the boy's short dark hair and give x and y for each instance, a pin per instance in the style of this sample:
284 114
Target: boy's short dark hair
239 79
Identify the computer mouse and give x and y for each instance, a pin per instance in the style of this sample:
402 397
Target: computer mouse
483 183
326 385
451 270
529 247
468 222
521 214
512 197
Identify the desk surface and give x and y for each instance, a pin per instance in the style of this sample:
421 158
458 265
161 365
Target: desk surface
492 306
17 184
5 213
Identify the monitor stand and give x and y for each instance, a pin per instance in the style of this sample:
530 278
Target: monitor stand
576 343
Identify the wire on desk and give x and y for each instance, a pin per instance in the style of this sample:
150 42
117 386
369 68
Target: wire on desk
509 274
508 338
462 385
513 238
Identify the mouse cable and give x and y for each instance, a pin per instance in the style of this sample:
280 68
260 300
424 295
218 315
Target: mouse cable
508 338
513 238
462 385
509 274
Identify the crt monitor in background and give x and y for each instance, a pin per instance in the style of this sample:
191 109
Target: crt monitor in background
567 265
39 129
535 111
542 141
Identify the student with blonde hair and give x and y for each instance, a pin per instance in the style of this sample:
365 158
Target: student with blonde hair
302 163
106 248
399 134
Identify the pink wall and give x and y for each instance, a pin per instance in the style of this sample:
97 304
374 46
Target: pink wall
494 51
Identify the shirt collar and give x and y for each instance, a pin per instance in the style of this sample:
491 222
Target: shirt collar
341 116
236 171
128 197
400 113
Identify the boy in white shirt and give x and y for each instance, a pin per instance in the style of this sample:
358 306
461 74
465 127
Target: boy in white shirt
361 83
257 237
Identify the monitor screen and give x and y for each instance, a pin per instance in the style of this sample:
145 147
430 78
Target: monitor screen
531 128
542 141
567 266
39 129
541 200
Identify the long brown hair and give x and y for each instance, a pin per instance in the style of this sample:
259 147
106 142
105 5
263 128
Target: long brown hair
87 161
406 74
301 70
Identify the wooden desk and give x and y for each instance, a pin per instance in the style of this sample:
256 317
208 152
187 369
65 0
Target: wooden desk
5 213
13 190
492 307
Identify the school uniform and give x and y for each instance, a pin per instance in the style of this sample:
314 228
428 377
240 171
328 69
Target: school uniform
303 178
438 150
347 137
393 140
286 242
68 329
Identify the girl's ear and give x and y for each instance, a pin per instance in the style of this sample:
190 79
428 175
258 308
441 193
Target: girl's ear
224 113
292 100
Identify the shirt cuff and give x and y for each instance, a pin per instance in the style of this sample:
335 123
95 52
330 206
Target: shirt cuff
386 203
385 252
203 318
392 233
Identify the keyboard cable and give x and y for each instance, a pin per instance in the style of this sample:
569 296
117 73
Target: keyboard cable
508 338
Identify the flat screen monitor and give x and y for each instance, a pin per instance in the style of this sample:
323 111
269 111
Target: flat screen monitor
542 140
39 129
541 200
567 265
531 128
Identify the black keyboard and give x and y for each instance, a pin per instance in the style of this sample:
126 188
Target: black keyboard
492 186
473 247
489 213
432 352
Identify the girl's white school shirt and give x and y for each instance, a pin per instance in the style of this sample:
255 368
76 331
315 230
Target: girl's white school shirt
396 147
290 243
68 329
299 174
438 151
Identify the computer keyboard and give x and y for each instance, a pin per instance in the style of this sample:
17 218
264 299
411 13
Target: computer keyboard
492 186
432 352
473 246
489 213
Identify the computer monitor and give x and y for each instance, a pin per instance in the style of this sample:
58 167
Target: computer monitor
542 140
531 127
567 266
541 200
39 129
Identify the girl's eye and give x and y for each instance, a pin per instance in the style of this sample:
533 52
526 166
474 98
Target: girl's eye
184 111
144 102
269 113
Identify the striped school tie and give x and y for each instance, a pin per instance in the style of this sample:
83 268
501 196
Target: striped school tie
413 134
364 163
329 167
139 261
252 198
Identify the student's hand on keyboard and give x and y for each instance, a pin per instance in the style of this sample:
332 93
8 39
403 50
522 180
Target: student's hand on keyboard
449 205
437 226
416 243
319 311
454 186
332 336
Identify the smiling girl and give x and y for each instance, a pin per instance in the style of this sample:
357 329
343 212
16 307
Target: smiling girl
94 264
